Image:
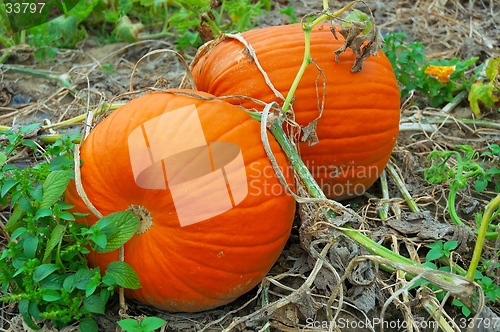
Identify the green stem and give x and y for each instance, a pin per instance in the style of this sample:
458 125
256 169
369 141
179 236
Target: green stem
213 26
305 63
155 35
307 51
490 209
451 204
63 79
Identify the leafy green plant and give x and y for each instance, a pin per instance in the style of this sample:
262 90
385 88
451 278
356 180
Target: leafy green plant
487 93
457 175
438 249
44 267
146 325
411 69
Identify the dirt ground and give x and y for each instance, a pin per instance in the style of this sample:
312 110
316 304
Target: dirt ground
447 28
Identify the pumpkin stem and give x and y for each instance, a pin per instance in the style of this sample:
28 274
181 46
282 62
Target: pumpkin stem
145 218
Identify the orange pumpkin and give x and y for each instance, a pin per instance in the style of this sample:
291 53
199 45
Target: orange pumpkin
360 122
198 253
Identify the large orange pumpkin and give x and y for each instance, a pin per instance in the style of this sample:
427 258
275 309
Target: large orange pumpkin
359 126
188 264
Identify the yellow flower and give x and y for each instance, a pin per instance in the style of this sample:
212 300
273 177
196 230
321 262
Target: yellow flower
441 73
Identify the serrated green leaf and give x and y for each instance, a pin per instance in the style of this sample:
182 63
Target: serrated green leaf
43 271
150 324
24 311
124 275
127 224
94 304
88 325
54 187
55 239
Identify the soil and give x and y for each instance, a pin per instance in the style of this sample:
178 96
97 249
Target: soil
447 28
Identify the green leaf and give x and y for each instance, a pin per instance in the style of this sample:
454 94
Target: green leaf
50 295
66 216
53 281
25 204
435 245
30 245
3 158
54 187
150 324
100 239
88 325
434 254
7 186
43 213
57 162
91 287
481 184
36 193
83 277
127 224
15 219
69 283
29 127
124 275
24 311
55 239
450 245
17 232
31 144
126 30
94 304
43 271
492 68
129 325
64 206
480 92
358 16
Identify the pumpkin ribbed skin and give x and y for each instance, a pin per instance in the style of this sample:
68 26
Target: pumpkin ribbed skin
360 122
206 264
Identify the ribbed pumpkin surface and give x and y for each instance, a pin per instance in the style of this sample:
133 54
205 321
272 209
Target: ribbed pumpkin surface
359 126
206 264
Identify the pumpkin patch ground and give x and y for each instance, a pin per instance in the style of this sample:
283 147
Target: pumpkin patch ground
412 108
